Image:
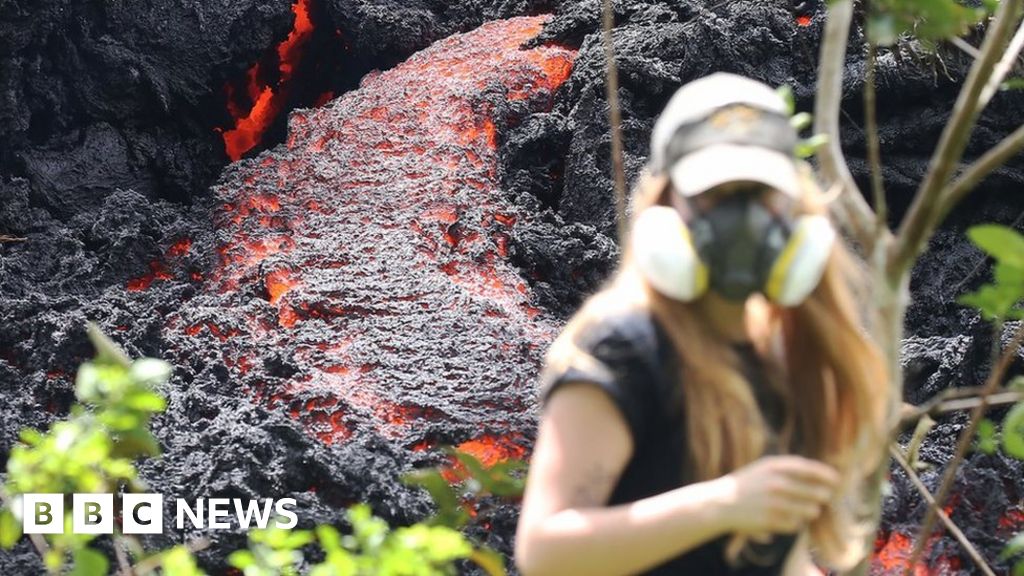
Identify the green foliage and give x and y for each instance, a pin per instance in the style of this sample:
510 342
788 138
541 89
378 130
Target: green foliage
371 549
92 451
928 20
999 300
472 479
801 121
272 552
1015 547
1013 432
178 561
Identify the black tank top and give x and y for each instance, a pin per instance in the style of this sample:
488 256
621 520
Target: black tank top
633 361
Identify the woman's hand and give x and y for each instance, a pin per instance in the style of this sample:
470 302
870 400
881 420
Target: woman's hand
777 494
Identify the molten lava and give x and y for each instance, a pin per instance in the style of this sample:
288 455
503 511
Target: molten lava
267 100
362 283
892 556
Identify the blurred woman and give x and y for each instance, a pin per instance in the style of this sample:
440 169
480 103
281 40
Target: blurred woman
715 407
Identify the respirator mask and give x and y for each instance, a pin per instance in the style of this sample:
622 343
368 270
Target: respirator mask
729 137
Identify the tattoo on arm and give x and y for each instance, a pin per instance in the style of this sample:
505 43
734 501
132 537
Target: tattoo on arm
593 487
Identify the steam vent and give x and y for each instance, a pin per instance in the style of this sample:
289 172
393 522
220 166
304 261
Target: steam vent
355 227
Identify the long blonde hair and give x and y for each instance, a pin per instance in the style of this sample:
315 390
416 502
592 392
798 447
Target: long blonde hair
817 356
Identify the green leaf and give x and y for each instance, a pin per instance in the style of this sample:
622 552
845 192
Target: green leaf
450 512
1001 242
87 382
809 146
337 563
53 559
1013 547
136 443
801 121
786 93
987 441
369 531
1013 432
1012 84
150 371
107 352
439 544
329 538
89 562
241 559
882 29
10 529
490 561
145 401
30 436
178 561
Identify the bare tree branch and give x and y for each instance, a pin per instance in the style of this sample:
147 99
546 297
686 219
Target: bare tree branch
999 154
1003 67
857 215
965 440
921 219
946 520
955 399
615 122
123 564
871 126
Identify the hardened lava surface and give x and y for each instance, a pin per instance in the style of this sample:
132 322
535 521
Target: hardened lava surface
369 252
340 305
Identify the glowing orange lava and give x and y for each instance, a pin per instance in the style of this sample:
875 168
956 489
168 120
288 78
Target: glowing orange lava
892 556
267 100
377 239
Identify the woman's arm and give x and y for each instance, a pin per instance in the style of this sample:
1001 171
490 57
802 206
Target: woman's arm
564 528
582 448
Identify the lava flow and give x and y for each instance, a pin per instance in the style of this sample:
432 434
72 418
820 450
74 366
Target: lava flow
362 283
266 100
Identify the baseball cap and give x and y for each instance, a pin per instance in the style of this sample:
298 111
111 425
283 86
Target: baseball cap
725 128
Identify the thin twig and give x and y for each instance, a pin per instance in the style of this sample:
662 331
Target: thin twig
1004 66
997 156
920 221
857 215
955 399
964 442
122 559
964 47
7 238
871 124
946 520
615 122
967 403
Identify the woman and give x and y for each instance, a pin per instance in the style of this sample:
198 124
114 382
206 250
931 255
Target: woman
715 407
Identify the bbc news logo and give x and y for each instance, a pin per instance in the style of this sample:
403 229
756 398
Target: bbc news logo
144 513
